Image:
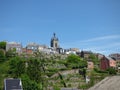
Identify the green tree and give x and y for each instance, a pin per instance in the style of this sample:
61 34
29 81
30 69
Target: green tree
11 53
84 72
2 55
94 59
111 71
17 67
3 45
75 61
39 64
34 70
29 84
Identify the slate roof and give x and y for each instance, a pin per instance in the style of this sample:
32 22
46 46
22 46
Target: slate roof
109 58
12 84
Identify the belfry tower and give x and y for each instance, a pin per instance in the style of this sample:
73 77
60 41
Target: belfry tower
54 42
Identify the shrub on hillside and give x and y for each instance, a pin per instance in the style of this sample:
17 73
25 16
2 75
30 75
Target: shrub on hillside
111 71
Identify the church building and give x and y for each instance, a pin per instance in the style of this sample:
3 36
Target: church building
54 42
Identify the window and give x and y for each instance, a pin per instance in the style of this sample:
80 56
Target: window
55 44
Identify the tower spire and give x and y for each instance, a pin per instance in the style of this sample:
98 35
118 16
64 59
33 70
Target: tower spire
54 34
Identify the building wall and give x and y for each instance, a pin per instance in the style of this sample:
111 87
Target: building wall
32 46
54 42
12 45
27 51
104 63
90 65
118 66
112 63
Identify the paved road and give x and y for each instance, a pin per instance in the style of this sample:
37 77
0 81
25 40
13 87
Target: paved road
109 83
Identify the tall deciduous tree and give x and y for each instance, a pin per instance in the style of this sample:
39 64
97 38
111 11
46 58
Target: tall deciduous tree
36 69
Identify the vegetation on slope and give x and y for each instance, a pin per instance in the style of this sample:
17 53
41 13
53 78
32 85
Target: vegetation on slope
42 71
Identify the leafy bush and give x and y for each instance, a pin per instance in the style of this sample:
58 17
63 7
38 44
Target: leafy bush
29 84
52 70
63 69
56 88
69 85
99 71
17 67
2 55
85 86
3 45
111 71
74 62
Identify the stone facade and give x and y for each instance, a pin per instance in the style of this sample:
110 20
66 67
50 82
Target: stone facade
54 42
90 65
14 45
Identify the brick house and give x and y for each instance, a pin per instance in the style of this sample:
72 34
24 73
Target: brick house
27 51
107 62
116 56
112 62
104 63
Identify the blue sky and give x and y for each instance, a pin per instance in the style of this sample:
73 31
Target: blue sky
85 24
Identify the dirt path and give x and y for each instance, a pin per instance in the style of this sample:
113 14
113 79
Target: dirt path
109 83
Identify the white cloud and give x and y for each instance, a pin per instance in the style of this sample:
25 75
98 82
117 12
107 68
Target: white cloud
104 45
86 42
105 49
102 38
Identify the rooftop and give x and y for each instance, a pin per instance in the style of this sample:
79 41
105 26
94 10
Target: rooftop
13 84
